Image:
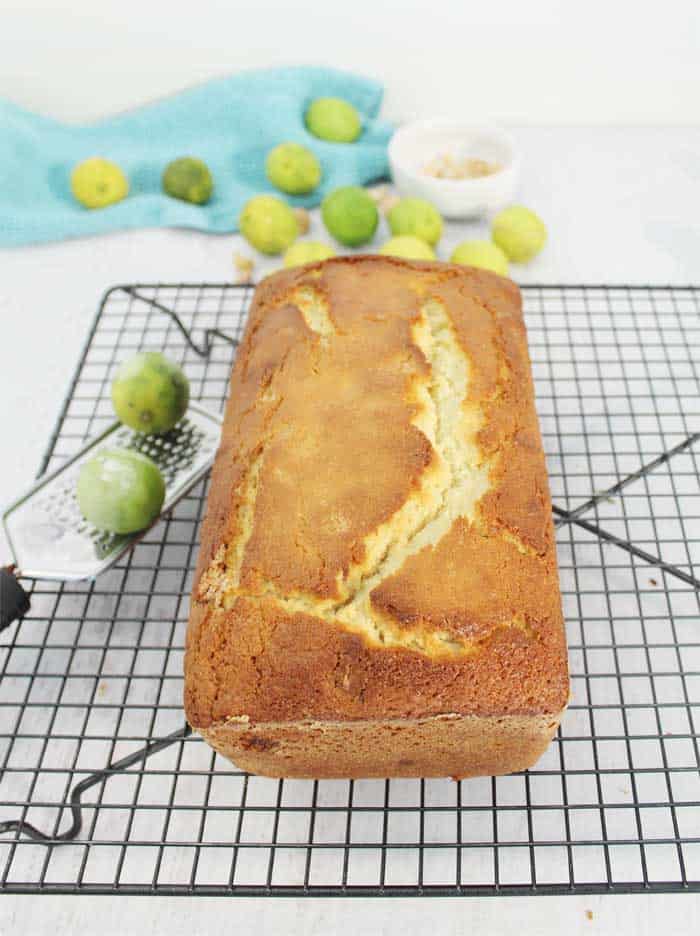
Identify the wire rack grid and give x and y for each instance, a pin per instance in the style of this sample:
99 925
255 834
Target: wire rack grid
93 674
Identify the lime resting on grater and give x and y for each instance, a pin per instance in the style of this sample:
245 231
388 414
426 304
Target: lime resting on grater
150 393
120 491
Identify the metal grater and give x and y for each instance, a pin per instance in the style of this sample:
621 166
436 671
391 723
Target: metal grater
50 539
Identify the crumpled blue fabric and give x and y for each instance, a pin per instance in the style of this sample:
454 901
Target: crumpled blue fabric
230 123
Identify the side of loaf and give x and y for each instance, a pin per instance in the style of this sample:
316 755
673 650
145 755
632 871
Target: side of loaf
377 590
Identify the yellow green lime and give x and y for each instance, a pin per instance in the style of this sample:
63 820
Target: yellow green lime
481 254
268 224
188 179
519 232
98 182
408 247
150 393
333 119
293 168
120 491
350 215
416 217
307 252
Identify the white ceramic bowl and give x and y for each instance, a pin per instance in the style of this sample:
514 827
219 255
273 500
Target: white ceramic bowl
417 143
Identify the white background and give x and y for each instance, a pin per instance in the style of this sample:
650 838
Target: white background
503 61
604 100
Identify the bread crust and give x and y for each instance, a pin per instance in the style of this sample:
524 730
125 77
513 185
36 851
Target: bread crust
378 548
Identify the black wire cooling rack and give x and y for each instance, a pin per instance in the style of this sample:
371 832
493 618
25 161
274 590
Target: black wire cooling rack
120 798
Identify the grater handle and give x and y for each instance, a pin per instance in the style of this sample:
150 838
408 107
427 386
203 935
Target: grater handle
14 601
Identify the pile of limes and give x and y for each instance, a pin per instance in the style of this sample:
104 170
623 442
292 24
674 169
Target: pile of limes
349 213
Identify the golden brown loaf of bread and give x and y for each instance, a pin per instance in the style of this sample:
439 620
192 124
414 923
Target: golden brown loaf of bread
377 589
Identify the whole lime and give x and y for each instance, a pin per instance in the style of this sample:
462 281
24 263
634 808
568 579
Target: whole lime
293 168
333 119
482 254
350 215
408 247
188 179
150 393
97 182
416 217
120 491
268 224
307 252
519 232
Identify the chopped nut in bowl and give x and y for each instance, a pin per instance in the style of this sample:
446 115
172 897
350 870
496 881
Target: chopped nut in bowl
464 172
446 166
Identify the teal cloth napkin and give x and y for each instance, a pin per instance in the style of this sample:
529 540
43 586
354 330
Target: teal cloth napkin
230 123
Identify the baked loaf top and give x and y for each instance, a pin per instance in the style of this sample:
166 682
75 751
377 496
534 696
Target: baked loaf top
378 541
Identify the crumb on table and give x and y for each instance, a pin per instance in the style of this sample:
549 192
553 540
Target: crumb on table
303 220
244 267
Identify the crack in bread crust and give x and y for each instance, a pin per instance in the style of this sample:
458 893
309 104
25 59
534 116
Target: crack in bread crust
314 308
450 488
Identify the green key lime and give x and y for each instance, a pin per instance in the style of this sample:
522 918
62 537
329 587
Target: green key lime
350 215
408 247
97 182
307 252
120 491
519 232
416 217
333 119
293 168
150 393
188 179
268 224
482 254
